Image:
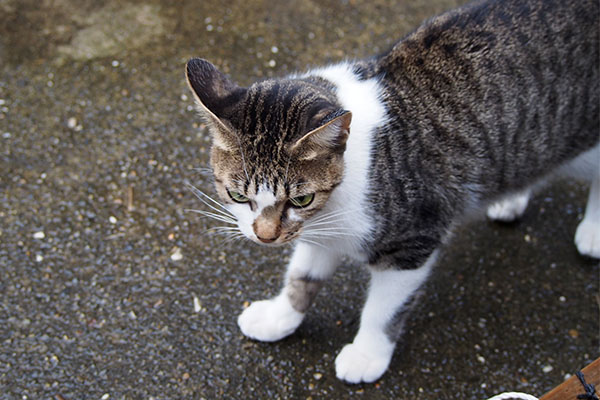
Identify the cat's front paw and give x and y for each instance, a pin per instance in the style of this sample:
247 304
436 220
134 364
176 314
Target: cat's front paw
356 364
508 209
270 320
587 238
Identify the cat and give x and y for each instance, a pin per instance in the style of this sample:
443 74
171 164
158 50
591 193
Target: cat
378 159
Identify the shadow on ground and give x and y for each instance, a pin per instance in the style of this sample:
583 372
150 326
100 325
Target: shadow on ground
111 290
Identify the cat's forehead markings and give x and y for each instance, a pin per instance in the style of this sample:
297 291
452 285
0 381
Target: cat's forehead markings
264 197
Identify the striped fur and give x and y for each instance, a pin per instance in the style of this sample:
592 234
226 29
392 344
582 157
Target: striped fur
478 103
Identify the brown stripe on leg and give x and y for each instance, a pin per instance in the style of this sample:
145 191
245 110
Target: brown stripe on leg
301 291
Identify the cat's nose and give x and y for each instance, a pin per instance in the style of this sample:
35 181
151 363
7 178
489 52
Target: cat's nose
267 226
266 240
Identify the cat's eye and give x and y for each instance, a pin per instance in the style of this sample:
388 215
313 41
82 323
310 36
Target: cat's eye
302 201
237 197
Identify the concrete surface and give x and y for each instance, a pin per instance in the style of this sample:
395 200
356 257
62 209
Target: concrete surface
110 290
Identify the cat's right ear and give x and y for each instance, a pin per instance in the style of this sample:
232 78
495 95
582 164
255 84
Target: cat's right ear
216 96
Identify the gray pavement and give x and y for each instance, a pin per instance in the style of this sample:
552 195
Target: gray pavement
110 290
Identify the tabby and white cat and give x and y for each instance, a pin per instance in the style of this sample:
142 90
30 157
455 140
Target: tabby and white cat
379 159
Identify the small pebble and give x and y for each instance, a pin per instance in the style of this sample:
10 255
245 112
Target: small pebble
2 102
274 49
574 333
197 305
318 376
272 63
72 123
547 368
176 254
39 258
112 219
562 299
115 63
39 235
480 359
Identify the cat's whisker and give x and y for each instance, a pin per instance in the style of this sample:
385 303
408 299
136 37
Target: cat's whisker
331 224
337 212
330 229
223 232
323 235
203 170
305 240
228 237
202 196
231 239
295 185
225 228
212 215
330 215
215 213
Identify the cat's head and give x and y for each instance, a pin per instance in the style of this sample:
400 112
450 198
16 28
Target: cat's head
277 150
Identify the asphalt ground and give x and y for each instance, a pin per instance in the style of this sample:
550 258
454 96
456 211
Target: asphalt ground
110 290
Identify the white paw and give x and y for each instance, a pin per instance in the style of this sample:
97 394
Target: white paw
587 238
508 209
269 320
355 365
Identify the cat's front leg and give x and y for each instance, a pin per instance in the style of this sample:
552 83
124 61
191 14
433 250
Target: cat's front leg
276 318
391 295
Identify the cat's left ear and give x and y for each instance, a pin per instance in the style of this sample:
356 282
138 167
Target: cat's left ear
217 97
213 90
327 138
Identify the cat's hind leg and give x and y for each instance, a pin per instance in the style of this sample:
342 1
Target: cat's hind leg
276 318
509 208
391 295
587 236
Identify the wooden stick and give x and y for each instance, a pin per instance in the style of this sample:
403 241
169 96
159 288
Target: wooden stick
130 198
572 387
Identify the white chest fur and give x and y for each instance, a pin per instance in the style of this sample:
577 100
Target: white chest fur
348 206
